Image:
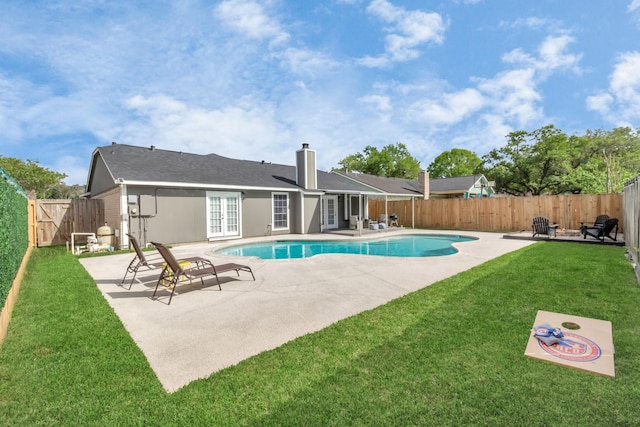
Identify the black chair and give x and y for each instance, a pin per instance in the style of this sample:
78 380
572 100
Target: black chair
541 226
600 232
599 222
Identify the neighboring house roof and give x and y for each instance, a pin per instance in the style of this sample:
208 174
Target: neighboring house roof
408 187
146 165
395 186
455 185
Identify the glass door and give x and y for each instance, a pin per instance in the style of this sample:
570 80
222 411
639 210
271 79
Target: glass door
331 212
223 214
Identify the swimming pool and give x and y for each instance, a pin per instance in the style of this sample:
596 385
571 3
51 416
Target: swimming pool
418 245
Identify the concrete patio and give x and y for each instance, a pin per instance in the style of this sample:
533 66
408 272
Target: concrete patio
204 329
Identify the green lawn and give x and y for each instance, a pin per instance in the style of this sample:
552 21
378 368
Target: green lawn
450 354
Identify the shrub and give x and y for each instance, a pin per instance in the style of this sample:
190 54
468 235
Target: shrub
14 237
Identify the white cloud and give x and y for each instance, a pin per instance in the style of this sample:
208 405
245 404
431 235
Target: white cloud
513 95
380 104
600 102
374 62
552 55
306 62
634 5
250 18
621 103
532 22
242 129
408 31
450 108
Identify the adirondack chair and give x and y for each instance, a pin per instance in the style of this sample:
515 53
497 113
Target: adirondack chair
600 233
599 222
541 226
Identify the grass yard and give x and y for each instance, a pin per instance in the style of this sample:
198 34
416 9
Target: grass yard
450 354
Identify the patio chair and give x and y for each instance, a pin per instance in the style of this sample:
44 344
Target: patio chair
174 270
600 233
599 222
138 261
541 226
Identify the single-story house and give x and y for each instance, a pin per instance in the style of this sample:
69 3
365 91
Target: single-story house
176 197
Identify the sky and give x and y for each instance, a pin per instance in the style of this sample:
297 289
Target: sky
253 80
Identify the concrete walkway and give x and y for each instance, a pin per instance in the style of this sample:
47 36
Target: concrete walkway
205 330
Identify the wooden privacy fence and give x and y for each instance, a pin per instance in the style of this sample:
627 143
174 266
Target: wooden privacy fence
58 218
501 213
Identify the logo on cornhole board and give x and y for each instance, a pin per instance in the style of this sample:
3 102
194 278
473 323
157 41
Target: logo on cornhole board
588 346
573 347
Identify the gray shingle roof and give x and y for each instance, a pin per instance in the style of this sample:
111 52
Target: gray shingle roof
458 184
144 164
455 185
398 186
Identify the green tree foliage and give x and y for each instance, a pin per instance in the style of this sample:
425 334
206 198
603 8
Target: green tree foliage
547 161
457 162
33 178
533 163
392 161
610 158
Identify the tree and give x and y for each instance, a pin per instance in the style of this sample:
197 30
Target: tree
614 156
457 162
392 161
33 178
535 163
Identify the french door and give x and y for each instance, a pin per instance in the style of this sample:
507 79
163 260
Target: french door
330 212
223 214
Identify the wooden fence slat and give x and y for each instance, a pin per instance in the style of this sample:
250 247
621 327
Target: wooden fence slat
58 218
503 213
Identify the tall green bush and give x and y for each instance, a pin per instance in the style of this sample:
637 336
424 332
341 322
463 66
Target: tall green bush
14 228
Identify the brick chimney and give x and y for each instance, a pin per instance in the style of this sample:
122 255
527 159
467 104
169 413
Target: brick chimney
306 169
423 181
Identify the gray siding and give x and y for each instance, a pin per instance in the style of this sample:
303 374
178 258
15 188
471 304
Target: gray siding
101 180
312 213
256 213
168 215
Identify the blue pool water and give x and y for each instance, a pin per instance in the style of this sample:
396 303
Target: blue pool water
423 245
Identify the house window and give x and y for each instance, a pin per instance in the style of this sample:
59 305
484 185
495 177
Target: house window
280 211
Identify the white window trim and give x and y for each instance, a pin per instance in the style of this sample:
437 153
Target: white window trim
273 213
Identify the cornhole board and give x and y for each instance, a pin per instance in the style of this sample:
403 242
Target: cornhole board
587 344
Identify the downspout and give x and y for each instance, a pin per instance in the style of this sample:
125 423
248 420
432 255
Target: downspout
124 217
413 212
302 230
386 208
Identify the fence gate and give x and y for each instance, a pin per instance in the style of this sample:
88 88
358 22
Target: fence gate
58 218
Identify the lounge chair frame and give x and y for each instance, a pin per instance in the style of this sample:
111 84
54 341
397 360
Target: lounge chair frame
173 270
138 261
